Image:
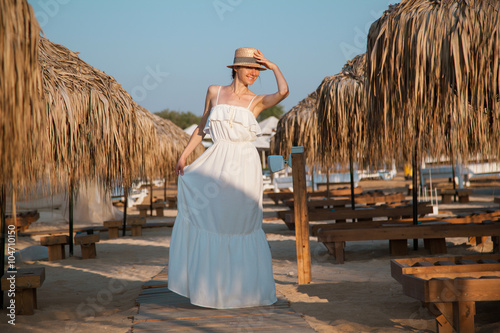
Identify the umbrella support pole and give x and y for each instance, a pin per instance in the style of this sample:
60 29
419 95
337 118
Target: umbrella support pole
71 198
351 168
3 207
151 196
415 195
301 216
126 189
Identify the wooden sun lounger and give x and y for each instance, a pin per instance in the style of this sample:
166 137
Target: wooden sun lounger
434 235
450 286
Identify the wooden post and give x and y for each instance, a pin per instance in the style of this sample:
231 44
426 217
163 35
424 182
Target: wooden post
328 182
14 212
3 233
301 218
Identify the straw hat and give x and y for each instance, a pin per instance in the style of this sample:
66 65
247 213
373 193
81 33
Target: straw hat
244 57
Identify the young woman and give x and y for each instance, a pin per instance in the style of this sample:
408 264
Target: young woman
219 256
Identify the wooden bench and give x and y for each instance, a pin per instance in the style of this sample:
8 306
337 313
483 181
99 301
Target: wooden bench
367 213
278 197
450 286
113 227
23 220
143 210
448 194
159 206
434 235
365 198
26 281
172 202
87 244
55 246
136 225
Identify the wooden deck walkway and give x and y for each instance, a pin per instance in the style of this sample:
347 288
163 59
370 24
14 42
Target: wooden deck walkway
161 310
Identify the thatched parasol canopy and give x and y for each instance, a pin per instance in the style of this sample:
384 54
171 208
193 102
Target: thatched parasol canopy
171 142
341 109
433 78
96 129
298 127
21 114
328 120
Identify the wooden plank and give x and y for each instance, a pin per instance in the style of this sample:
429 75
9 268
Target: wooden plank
344 191
408 232
463 316
361 199
463 290
25 278
444 317
365 213
408 262
161 310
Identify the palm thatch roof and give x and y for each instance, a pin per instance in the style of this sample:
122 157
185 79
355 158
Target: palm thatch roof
21 114
341 109
433 72
298 128
96 129
171 142
329 120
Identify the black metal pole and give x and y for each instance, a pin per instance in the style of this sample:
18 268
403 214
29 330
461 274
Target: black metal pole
165 189
351 167
151 196
415 195
3 207
125 192
71 198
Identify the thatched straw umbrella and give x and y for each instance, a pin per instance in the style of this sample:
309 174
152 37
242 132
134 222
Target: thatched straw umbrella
21 116
433 80
96 130
292 127
341 112
329 122
433 75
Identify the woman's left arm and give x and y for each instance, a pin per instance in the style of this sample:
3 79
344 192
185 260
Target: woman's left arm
270 100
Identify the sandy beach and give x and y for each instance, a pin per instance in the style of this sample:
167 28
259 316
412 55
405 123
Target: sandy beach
98 295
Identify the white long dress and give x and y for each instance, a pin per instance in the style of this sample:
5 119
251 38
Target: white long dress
219 256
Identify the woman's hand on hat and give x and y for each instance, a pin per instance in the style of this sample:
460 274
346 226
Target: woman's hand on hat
263 61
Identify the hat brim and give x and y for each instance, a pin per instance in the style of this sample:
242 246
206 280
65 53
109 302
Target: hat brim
248 64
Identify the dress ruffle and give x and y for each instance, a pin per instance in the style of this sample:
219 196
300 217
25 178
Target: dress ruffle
236 115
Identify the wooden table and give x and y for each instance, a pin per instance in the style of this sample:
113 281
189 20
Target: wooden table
26 282
450 286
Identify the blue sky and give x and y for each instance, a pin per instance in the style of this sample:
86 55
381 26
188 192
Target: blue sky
166 53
